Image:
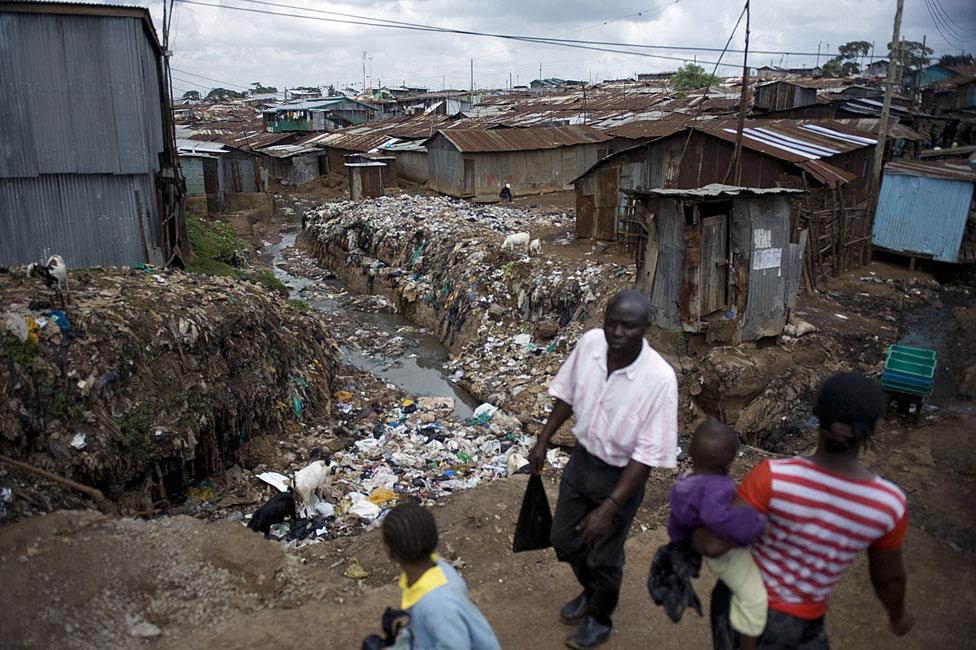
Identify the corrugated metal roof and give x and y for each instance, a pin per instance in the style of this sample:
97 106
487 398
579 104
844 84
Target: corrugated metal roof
792 141
650 128
713 190
187 145
287 150
522 139
921 214
930 170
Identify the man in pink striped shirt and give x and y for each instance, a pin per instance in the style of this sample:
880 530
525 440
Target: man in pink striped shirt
823 512
624 396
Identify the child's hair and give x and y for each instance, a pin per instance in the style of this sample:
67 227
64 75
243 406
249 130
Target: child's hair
713 446
410 532
852 399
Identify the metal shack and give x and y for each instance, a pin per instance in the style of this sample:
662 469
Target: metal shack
91 174
366 180
718 260
925 210
476 163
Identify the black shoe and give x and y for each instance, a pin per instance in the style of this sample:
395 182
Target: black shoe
575 610
589 634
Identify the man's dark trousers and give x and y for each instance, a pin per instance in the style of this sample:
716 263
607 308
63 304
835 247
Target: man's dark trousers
587 482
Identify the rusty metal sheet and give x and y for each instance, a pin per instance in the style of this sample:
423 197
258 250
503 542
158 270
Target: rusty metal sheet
522 139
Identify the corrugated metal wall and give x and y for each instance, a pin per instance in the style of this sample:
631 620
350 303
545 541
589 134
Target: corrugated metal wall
192 167
81 132
90 220
668 278
412 165
920 215
769 219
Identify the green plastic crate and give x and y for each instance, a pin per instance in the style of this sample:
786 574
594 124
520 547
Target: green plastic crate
917 363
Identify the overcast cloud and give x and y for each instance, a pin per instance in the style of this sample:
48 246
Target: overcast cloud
240 48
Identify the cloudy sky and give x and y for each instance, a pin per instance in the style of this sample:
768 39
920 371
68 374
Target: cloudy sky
235 48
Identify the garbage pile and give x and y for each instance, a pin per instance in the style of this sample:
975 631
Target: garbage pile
446 255
512 317
410 449
146 380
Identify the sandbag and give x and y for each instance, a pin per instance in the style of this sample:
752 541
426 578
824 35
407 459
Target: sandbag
535 519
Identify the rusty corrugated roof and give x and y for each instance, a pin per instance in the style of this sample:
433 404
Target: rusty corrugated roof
651 128
522 139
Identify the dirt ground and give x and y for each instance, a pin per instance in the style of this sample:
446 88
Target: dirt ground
72 578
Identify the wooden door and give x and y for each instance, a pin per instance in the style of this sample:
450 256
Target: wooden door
467 187
714 264
210 184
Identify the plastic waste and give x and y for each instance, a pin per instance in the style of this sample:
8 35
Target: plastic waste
79 440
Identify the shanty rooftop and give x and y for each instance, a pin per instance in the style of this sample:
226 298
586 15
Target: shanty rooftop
522 139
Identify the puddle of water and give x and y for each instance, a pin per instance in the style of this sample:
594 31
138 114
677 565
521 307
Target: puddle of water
418 372
930 327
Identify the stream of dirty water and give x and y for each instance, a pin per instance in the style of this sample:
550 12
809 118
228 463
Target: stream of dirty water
419 371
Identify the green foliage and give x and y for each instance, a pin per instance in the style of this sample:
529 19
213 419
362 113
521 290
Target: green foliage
332 91
221 94
957 59
832 68
266 278
215 245
691 77
192 94
21 353
135 424
911 54
300 306
257 88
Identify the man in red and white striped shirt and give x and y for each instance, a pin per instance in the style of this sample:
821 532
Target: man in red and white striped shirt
823 511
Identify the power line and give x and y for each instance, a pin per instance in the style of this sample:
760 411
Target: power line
570 43
226 83
963 32
940 25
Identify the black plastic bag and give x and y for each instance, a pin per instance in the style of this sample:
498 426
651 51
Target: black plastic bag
669 582
394 622
535 519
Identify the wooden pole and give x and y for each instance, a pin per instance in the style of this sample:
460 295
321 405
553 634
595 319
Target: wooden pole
95 495
886 106
737 155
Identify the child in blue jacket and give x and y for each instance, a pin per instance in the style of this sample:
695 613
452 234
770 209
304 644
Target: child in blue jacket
434 595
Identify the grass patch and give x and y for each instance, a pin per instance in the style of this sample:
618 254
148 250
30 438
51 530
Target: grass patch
300 306
214 246
266 278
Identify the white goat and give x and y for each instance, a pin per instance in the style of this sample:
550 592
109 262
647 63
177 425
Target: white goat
55 274
309 483
535 246
519 239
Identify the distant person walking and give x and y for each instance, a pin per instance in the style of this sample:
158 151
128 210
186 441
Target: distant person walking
625 399
506 194
823 511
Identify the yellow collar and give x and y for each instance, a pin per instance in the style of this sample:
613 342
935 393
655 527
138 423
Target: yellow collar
432 579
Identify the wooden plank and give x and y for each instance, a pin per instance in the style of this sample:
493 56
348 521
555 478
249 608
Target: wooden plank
714 267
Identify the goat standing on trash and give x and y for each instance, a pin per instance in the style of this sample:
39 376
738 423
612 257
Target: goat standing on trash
55 274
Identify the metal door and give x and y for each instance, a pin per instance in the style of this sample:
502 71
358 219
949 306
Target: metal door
714 264
467 188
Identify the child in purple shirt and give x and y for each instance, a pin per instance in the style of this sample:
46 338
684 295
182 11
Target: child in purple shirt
705 499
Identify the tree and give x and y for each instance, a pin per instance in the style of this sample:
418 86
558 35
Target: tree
911 54
257 88
957 59
332 91
832 68
193 95
221 94
847 61
692 76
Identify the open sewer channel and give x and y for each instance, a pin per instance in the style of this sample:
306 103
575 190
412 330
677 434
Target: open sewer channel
419 371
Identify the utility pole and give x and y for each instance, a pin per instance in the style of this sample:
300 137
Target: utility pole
818 53
737 154
364 72
510 81
472 75
886 106
540 70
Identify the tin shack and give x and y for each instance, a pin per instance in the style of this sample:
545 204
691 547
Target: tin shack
718 260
